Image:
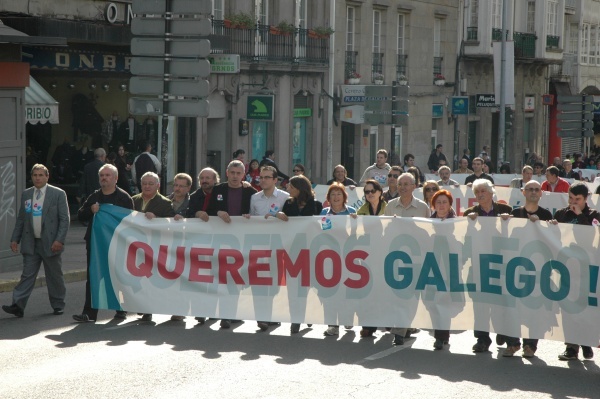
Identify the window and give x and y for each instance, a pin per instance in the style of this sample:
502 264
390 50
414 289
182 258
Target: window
474 13
437 27
531 16
301 13
594 45
400 38
573 46
376 31
217 6
350 28
401 57
585 43
262 11
497 14
552 18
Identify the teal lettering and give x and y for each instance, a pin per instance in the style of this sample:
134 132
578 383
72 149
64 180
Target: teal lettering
455 283
487 273
430 266
405 273
546 283
527 280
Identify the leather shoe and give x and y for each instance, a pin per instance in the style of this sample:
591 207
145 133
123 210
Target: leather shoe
58 311
13 309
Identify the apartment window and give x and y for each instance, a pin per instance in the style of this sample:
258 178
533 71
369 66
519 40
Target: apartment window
552 17
217 7
585 43
474 13
401 57
573 46
497 14
594 45
301 14
401 36
350 28
531 16
437 56
262 11
376 31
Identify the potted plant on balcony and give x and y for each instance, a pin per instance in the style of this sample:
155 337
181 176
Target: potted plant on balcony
378 78
402 80
353 77
241 20
439 80
283 28
320 32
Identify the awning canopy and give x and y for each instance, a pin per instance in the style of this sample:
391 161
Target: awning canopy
40 106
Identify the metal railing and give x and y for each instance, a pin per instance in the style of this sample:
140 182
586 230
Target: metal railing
552 41
496 34
524 44
472 33
566 69
351 62
377 65
401 64
262 43
437 65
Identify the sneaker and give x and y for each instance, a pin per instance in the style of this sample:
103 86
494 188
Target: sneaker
588 353
480 346
201 320
438 344
263 325
528 351
146 317
120 315
295 328
225 323
82 318
509 351
398 340
177 318
569 354
331 331
500 340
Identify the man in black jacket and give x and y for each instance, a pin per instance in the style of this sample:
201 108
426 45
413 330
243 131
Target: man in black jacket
269 160
108 193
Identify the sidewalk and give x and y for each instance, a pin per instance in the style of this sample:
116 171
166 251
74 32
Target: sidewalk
73 261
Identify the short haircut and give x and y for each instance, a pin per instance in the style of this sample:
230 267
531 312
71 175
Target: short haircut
268 153
579 188
217 178
39 166
408 156
538 165
270 169
184 176
438 146
112 167
300 166
408 174
153 175
478 159
440 193
99 152
384 152
553 170
484 183
337 186
238 152
444 167
397 168
527 167
236 164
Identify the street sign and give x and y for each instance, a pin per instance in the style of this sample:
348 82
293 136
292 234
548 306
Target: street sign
155 47
485 100
570 124
224 63
198 109
177 7
400 119
157 86
575 116
177 67
589 107
175 26
260 108
144 106
575 99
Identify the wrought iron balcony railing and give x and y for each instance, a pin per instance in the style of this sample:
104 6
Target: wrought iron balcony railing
552 41
524 44
472 33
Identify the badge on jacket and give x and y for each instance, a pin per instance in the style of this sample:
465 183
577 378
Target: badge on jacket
220 197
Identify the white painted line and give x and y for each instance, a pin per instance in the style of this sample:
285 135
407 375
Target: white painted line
387 352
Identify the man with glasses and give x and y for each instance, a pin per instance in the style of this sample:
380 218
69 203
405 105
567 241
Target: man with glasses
268 201
445 180
180 197
231 199
532 192
392 183
406 205
538 168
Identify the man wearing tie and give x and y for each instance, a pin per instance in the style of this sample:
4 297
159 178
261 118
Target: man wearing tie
41 229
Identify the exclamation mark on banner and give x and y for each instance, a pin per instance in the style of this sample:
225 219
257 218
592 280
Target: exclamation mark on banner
592 301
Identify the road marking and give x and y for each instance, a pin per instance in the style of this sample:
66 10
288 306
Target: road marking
387 352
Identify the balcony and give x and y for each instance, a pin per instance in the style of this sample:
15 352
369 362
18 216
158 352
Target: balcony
351 62
524 44
263 44
377 66
552 42
437 65
570 7
564 71
401 64
472 34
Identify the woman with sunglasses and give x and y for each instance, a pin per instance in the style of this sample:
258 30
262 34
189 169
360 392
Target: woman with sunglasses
302 202
374 206
298 169
430 187
441 204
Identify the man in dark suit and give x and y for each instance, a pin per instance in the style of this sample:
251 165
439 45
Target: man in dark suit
109 193
89 182
41 229
199 200
231 199
153 204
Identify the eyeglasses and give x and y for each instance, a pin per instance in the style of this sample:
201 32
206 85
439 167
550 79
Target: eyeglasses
369 191
265 177
429 189
297 170
533 190
394 176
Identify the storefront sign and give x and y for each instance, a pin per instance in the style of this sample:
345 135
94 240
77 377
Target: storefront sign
437 110
75 60
260 108
353 114
485 101
302 112
353 94
460 105
224 63
113 15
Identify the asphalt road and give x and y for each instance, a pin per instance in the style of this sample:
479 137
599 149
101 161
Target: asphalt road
47 356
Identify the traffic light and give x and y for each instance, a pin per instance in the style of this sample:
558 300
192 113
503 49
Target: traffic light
509 116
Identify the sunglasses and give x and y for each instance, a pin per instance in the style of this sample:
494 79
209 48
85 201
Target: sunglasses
369 191
429 189
298 170
394 176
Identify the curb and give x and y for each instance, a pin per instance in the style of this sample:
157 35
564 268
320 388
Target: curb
40 281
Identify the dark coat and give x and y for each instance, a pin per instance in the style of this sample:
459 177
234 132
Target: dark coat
85 214
218 199
312 207
90 181
160 205
498 207
196 203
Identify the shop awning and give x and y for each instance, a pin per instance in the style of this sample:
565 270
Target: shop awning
40 106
